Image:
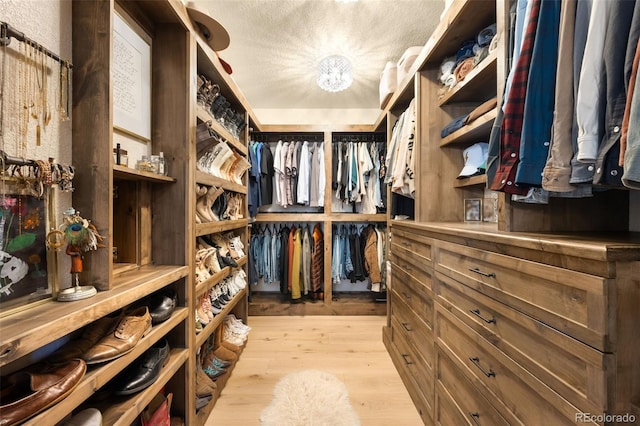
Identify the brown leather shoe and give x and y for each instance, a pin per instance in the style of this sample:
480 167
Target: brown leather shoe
225 354
132 327
204 385
90 336
230 346
28 392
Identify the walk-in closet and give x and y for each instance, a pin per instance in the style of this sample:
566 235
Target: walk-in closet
305 212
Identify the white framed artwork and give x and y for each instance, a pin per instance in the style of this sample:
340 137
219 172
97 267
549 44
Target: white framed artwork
131 80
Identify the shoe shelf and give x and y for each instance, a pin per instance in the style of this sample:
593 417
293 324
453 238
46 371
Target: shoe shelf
26 331
479 84
221 226
126 412
203 178
98 376
470 181
478 130
127 173
221 382
207 284
219 318
204 116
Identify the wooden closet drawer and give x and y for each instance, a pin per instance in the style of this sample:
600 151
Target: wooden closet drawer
414 329
415 364
405 263
574 370
517 395
412 252
458 402
412 241
414 293
424 407
572 302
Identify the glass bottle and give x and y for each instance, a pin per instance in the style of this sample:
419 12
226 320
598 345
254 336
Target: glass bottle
162 165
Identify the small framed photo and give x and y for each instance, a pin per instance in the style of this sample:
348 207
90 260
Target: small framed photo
473 210
490 210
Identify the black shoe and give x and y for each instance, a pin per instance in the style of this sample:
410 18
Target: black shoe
161 306
216 304
224 298
144 371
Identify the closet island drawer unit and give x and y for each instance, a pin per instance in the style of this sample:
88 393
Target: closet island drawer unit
543 326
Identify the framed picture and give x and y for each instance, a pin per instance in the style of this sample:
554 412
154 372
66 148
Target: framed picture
24 264
490 210
473 209
131 80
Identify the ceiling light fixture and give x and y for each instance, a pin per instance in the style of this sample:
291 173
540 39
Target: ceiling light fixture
334 73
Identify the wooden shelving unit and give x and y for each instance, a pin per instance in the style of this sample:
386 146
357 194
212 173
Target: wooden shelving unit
207 64
145 215
271 302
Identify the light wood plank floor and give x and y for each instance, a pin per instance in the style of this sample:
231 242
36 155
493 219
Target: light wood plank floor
349 347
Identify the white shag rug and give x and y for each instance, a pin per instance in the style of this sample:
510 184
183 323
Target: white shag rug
309 398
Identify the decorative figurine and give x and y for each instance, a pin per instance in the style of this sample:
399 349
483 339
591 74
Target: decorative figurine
81 236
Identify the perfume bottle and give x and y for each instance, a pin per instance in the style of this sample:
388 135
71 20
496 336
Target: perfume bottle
162 165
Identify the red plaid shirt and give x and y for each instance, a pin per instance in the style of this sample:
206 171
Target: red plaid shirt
504 179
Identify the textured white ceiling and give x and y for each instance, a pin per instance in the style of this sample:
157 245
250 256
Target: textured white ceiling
277 44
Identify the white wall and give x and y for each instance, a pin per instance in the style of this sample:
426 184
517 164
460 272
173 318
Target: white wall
317 116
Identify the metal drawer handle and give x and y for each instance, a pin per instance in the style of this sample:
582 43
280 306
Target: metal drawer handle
484 274
407 360
476 312
406 243
406 295
476 361
407 267
475 417
406 326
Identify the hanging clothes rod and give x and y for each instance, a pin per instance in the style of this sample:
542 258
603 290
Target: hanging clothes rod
7 32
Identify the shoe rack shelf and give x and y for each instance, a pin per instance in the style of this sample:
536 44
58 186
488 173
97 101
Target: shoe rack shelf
203 178
203 413
218 319
221 226
208 66
204 116
125 412
219 276
98 376
26 331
